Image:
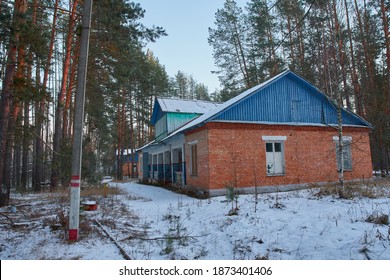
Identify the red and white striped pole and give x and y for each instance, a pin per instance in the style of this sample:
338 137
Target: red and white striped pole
74 208
78 125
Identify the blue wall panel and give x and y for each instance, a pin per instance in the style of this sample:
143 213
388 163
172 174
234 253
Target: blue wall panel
286 100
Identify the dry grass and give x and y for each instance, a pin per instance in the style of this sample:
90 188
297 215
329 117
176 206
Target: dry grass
99 190
378 218
62 194
377 188
49 209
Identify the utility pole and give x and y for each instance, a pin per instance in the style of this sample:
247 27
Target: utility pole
74 212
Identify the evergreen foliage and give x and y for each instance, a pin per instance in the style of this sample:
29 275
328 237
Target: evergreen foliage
39 48
341 46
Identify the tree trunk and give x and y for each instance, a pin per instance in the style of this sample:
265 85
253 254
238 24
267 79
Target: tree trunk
25 146
26 119
340 154
20 8
67 117
17 166
40 110
273 58
385 21
19 87
5 112
371 88
292 55
131 120
38 174
342 58
367 56
121 121
10 144
56 166
241 57
301 46
355 80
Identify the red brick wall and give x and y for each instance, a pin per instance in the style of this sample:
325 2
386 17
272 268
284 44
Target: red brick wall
127 170
234 154
202 179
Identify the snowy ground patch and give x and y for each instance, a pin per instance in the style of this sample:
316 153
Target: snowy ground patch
152 223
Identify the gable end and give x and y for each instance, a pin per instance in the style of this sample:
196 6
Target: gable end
288 99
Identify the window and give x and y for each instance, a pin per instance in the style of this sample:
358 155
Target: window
194 159
274 150
274 158
347 154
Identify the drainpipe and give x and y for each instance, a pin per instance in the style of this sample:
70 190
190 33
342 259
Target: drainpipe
170 150
183 164
164 166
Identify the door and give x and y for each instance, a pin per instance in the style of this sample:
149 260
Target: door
274 158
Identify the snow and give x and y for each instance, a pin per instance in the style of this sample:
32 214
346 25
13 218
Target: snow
186 106
152 223
106 179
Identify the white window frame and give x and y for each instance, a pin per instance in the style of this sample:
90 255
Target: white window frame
274 157
347 152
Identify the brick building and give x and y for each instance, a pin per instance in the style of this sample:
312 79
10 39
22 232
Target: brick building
282 133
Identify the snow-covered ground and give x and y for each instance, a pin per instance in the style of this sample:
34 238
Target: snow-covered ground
152 223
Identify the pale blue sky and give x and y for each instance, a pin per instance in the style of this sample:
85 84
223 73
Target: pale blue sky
186 47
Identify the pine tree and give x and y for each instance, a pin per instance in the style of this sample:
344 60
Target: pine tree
230 51
7 100
336 45
60 106
116 91
265 60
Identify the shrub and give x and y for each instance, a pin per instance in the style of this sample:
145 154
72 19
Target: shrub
378 218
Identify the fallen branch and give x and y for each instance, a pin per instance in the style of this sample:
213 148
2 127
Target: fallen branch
123 252
365 251
47 145
164 237
22 205
8 218
22 224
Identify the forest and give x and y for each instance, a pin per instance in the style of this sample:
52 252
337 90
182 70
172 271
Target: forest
340 46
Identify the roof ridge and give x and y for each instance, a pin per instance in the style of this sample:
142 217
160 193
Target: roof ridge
187 99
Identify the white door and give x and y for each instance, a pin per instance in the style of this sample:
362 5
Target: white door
274 158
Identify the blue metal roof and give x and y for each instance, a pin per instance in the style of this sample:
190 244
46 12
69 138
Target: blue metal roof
182 106
286 99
